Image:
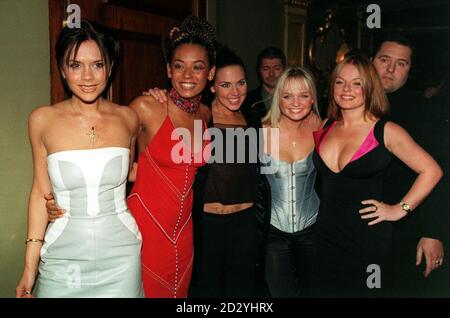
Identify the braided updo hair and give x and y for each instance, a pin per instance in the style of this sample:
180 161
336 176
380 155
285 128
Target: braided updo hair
193 30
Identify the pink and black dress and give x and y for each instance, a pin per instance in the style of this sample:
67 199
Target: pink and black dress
347 250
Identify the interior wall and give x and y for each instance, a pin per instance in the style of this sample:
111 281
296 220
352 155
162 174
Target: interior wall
248 26
25 84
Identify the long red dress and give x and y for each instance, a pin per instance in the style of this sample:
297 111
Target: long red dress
161 202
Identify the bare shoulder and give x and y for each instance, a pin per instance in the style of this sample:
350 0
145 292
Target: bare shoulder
145 106
395 134
42 116
393 129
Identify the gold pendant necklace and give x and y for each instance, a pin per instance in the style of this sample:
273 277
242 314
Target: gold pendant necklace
289 137
92 136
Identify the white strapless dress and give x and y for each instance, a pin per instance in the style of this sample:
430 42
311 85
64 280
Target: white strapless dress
94 250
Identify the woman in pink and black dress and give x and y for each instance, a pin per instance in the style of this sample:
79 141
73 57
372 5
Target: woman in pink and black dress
352 152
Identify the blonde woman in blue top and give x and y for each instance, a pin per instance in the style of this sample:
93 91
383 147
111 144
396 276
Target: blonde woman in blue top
294 202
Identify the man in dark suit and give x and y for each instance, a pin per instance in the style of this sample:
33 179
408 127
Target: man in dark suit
420 235
271 63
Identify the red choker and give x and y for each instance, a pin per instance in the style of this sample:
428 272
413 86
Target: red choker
187 105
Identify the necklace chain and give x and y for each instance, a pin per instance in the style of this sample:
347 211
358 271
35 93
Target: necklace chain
304 121
92 134
293 142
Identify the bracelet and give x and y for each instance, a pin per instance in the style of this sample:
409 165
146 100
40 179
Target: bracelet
33 240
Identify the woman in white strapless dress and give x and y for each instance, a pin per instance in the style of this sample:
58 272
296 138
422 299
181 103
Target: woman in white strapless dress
82 150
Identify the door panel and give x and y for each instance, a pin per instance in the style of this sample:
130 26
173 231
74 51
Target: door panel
145 67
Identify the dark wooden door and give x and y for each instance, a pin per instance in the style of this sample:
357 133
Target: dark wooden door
139 25
142 67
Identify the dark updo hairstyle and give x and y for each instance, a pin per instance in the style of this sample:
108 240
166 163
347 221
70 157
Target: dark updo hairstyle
193 30
70 39
226 57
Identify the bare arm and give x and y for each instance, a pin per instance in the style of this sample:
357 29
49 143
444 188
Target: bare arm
429 174
133 123
151 114
142 110
400 143
37 214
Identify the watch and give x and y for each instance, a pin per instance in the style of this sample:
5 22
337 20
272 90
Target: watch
405 207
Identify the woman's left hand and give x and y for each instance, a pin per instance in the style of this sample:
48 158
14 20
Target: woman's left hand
381 211
157 93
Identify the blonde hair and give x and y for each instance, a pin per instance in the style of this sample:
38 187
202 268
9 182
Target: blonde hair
294 73
376 102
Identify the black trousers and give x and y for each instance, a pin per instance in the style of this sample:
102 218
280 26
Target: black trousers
227 256
289 262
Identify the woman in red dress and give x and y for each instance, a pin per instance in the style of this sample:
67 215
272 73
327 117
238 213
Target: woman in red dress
172 148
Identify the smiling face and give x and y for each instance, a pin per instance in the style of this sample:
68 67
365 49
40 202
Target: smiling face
296 99
86 73
348 89
393 62
189 70
230 87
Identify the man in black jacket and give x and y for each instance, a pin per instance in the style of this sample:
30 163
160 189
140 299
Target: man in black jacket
420 235
270 64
